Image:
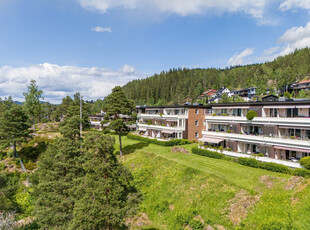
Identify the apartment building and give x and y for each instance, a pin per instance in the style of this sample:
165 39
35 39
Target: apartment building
169 122
281 130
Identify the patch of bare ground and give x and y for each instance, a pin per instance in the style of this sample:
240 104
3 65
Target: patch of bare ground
139 220
219 227
10 166
239 206
295 182
171 207
268 180
24 222
179 150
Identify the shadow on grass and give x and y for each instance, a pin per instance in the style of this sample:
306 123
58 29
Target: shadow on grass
132 148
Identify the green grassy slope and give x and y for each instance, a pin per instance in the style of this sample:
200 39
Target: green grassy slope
177 187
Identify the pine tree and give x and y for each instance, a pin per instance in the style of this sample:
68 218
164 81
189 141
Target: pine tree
105 195
58 169
13 126
83 188
32 101
118 106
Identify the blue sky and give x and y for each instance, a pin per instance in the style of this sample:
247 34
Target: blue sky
92 45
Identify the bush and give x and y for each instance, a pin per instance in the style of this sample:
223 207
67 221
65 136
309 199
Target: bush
251 114
34 148
275 167
305 162
30 165
172 142
195 224
251 162
2 166
207 153
10 153
301 172
149 122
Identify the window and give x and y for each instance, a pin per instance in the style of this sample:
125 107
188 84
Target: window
196 134
197 111
196 123
180 135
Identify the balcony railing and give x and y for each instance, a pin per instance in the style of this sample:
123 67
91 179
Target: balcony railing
260 139
297 121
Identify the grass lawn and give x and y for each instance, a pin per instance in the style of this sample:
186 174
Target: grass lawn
178 187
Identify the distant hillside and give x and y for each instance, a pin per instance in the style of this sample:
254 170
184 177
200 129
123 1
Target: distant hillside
178 85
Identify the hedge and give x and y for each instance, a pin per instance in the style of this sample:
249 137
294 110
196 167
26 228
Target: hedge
172 142
251 162
207 153
305 161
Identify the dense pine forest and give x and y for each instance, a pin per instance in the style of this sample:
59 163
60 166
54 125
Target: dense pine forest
179 85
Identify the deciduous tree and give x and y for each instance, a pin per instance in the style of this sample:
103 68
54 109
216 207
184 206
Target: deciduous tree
32 101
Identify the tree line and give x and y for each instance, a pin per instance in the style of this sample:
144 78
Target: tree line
177 86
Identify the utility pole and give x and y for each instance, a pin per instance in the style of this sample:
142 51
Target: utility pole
81 116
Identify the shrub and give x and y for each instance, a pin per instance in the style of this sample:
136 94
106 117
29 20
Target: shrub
301 172
207 153
251 114
228 131
10 153
172 142
149 122
248 162
195 224
2 166
275 167
305 162
34 148
30 165
213 114
224 114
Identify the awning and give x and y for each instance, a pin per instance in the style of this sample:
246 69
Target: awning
231 107
168 131
210 140
279 107
142 129
293 149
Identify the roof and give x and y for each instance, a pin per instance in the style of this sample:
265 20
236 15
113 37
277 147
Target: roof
302 82
260 103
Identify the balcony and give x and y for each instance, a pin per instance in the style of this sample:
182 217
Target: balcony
162 116
297 122
263 140
161 128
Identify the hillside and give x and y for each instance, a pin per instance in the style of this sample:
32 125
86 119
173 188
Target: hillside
178 85
187 190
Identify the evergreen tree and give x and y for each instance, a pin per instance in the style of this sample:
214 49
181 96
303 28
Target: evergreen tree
117 107
13 126
105 194
83 188
32 101
58 169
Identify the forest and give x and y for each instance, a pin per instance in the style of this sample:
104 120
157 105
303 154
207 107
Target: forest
177 86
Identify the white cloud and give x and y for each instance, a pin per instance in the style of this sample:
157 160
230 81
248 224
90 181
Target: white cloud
238 59
294 4
255 8
127 69
58 81
295 38
102 29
